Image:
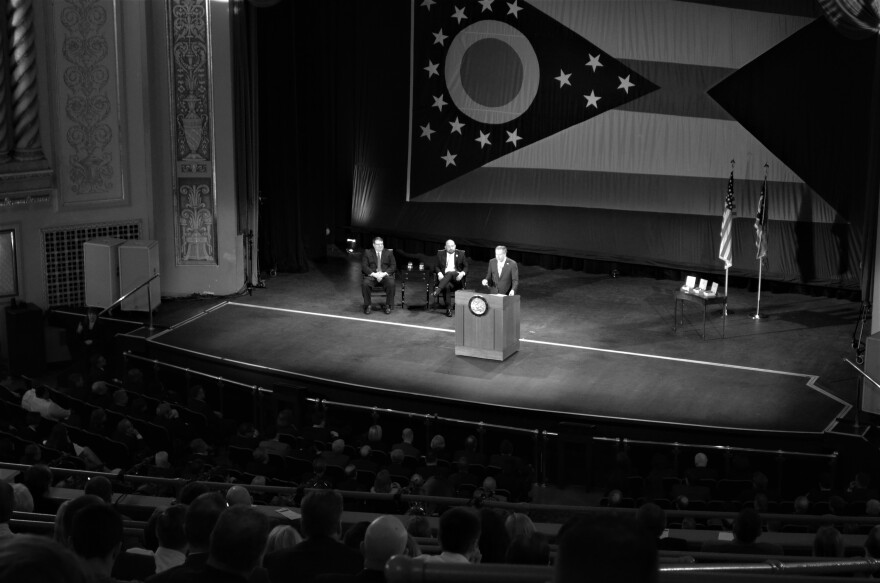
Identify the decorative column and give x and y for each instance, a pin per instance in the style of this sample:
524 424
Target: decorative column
25 108
194 188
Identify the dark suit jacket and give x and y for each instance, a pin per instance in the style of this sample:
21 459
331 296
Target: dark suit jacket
310 558
371 264
460 263
509 279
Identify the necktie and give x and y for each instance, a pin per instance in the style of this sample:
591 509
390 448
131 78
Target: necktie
500 267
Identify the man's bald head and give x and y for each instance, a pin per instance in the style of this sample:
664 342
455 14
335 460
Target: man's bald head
239 496
386 536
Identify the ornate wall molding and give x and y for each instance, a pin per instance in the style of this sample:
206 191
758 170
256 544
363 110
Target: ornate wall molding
191 82
87 82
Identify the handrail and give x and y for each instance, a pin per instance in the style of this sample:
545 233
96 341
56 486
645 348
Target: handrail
155 362
128 293
726 448
400 569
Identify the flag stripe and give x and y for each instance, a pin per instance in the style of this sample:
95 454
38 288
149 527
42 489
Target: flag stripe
618 191
704 35
640 143
725 250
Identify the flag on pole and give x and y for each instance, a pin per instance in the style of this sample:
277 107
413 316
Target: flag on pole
761 223
725 253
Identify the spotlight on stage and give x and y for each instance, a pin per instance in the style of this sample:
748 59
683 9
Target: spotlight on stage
349 245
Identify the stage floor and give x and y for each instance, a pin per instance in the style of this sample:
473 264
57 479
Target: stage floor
593 347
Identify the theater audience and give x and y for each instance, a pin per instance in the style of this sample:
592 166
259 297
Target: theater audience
406 446
653 519
336 456
170 530
611 549
528 550
384 538
239 496
872 543
37 400
354 535
30 558
23 501
493 541
321 551
396 467
828 542
418 526
700 471
459 536
519 524
101 487
38 478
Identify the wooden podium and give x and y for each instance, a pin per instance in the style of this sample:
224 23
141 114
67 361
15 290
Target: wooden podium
495 334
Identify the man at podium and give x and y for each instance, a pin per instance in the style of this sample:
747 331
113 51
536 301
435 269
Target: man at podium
503 274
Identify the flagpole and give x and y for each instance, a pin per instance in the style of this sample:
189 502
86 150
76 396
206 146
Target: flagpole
758 315
726 268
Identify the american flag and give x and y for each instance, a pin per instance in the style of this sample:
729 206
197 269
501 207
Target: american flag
726 251
761 223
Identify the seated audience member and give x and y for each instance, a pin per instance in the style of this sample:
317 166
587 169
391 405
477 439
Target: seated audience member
396 467
198 523
420 527
407 444
32 455
321 552
828 542
59 440
29 558
378 266
261 464
488 491
860 490
349 481
451 267
653 519
872 543
238 544
98 421
438 448
66 512
519 524
96 537
247 436
38 478
336 456
746 530
318 479
239 496
101 487
354 535
33 428
318 430
459 536
7 503
611 549
37 400
364 463
493 540
528 550
172 538
801 505
469 452
384 538
121 402
282 536
22 499
374 438
462 476
700 471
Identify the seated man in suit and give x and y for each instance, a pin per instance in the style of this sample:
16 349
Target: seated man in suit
503 274
451 269
378 266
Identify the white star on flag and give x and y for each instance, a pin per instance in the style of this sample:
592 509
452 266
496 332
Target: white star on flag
428 3
594 62
432 69
512 138
438 102
450 158
439 37
513 8
486 4
459 14
625 83
592 99
426 131
563 78
483 139
456 126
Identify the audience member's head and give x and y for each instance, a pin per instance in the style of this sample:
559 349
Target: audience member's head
801 505
38 478
384 538
747 526
610 549
354 534
459 531
652 518
374 434
493 541
438 442
96 536
837 505
239 496
701 460
321 513
282 536
519 524
338 446
397 456
67 513
192 491
36 559
872 543
872 507
238 541
170 527
382 482
365 451
828 542
120 398
100 487
528 550
419 526
201 517
23 501
407 435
